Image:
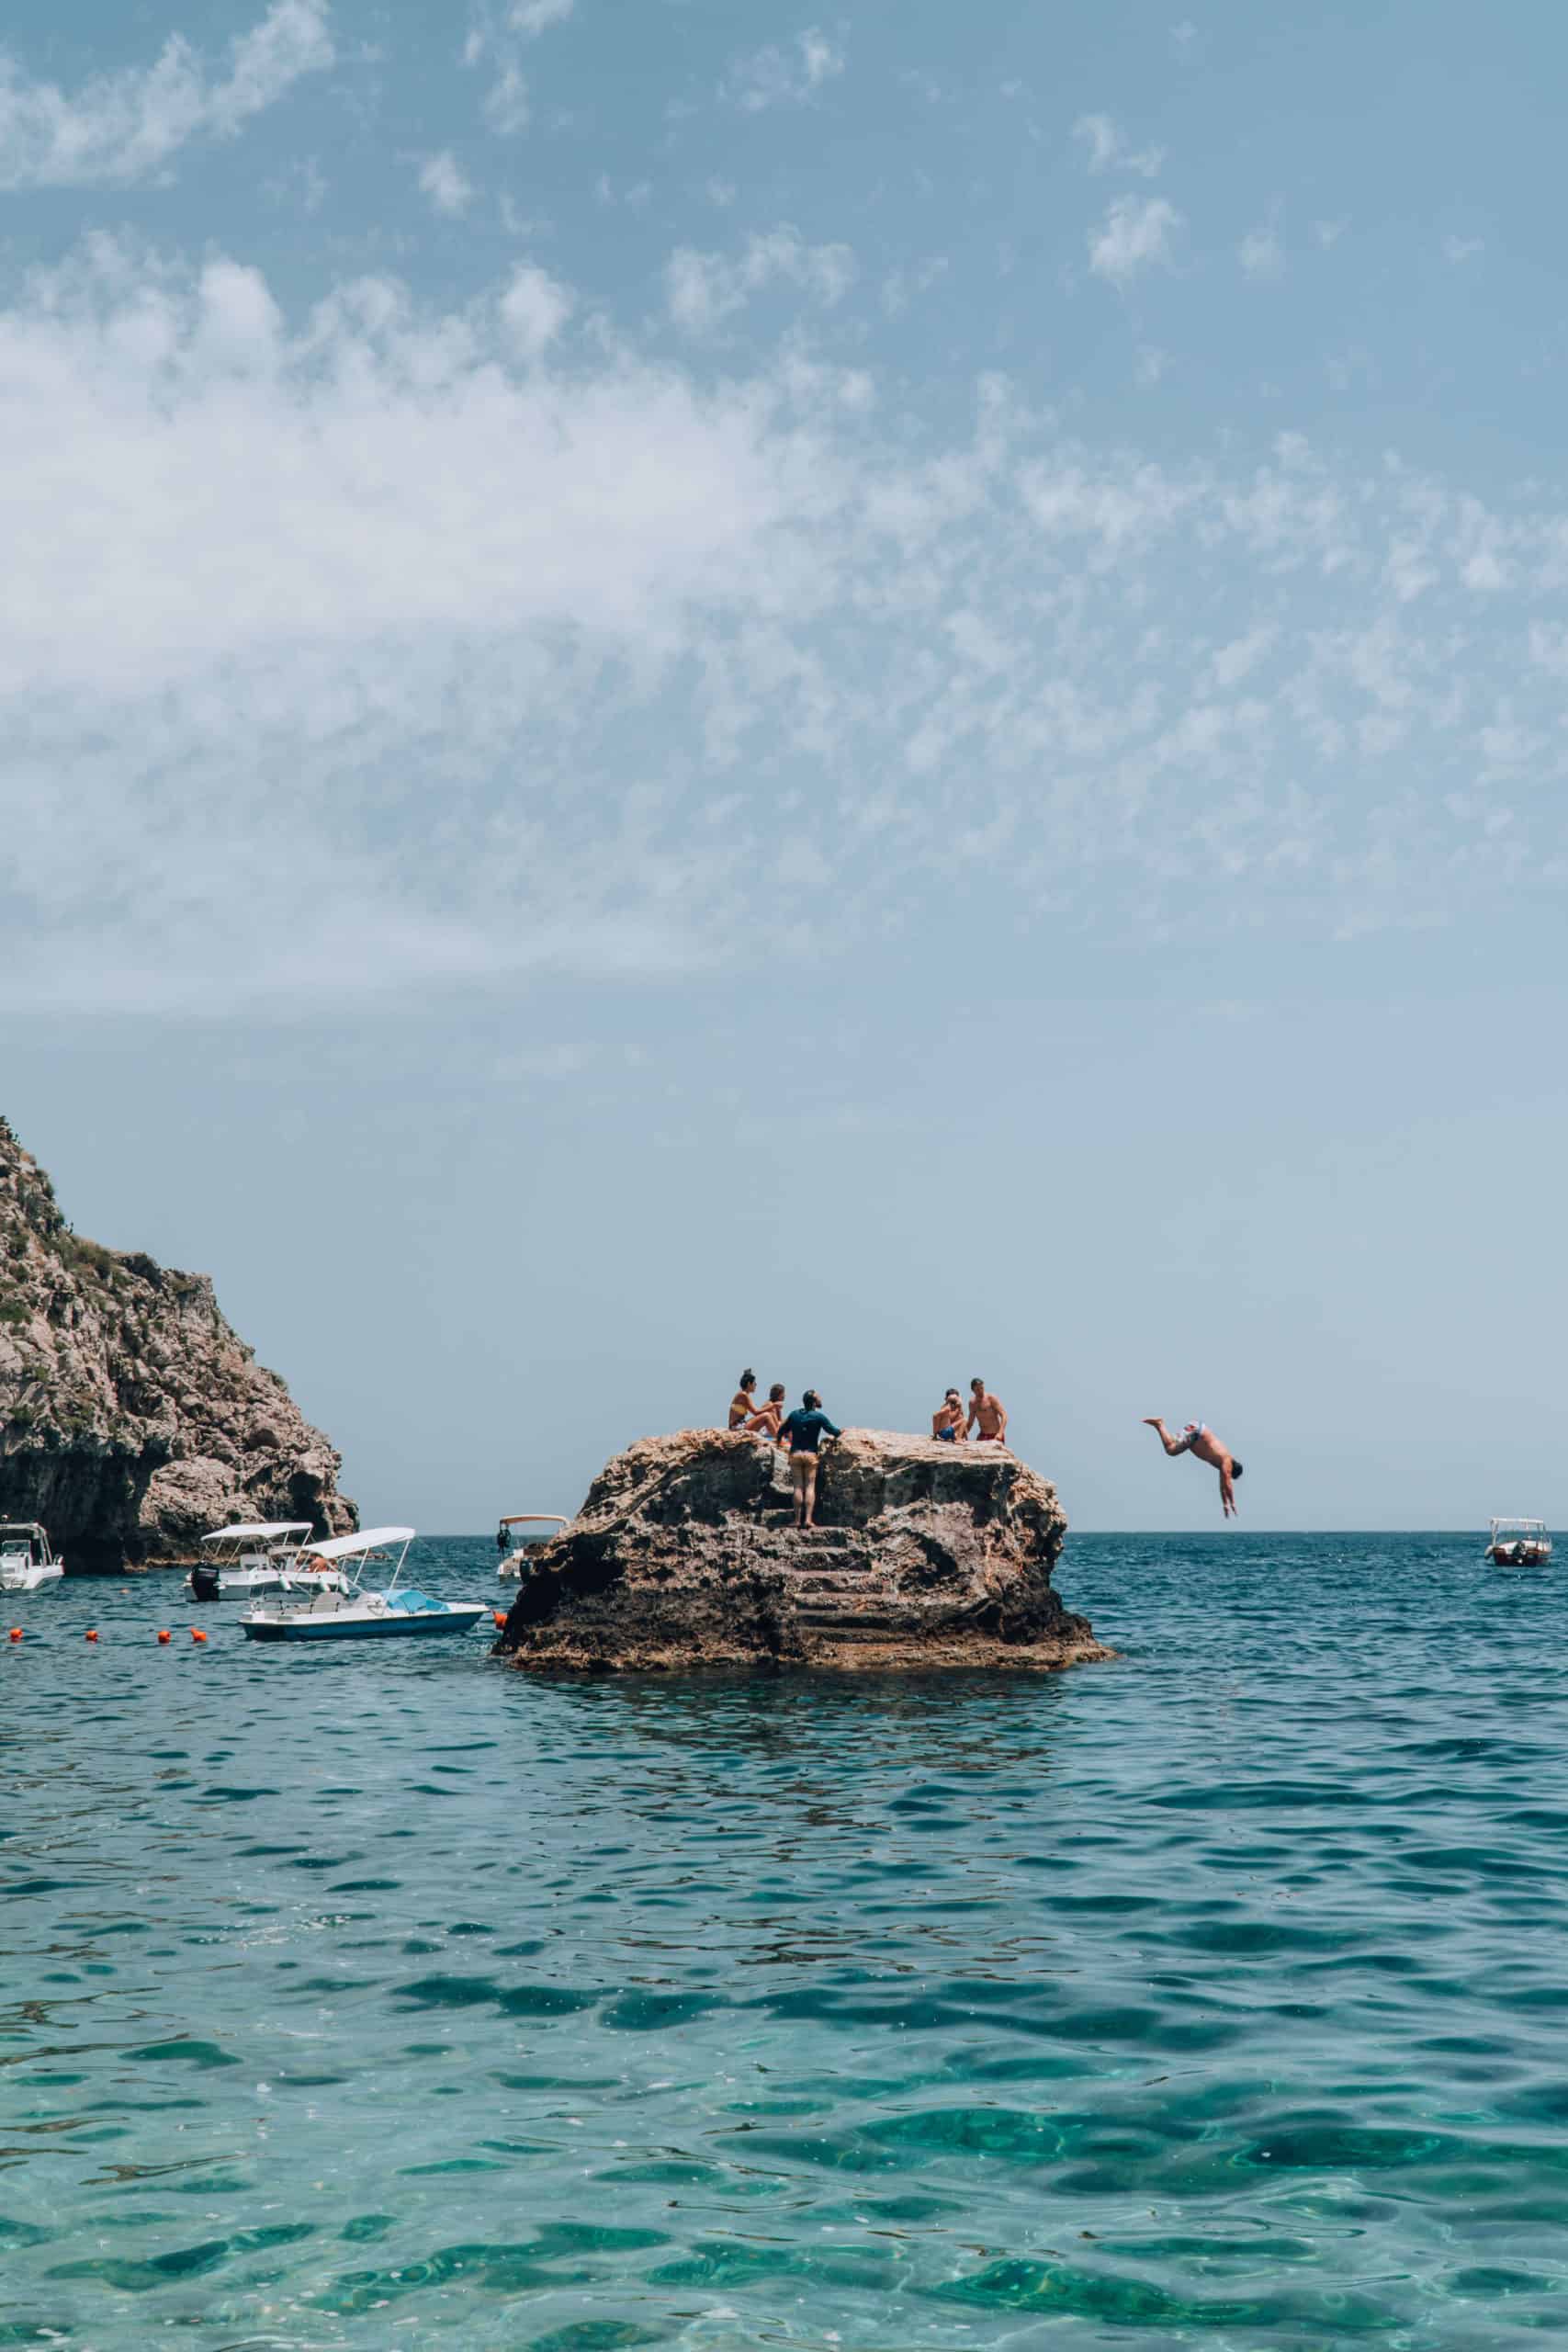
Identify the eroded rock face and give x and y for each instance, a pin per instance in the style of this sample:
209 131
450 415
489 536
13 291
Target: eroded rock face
132 1418
684 1554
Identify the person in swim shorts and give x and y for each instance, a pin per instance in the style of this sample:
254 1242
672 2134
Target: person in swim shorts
947 1421
1200 1440
991 1412
804 1430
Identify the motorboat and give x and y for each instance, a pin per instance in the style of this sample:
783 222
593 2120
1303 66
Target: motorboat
25 1560
1519 1543
515 1562
255 1556
358 1612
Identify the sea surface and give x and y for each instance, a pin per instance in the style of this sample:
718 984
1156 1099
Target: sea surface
370 1997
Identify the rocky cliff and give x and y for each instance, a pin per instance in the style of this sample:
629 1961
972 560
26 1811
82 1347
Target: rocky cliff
684 1554
132 1417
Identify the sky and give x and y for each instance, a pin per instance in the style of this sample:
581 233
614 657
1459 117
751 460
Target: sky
875 692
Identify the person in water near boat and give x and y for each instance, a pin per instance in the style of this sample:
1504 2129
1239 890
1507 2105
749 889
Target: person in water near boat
1200 1440
947 1421
743 1402
990 1411
803 1432
767 1417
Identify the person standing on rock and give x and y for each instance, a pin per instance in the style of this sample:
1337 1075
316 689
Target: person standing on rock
804 1430
743 1402
1201 1441
947 1421
990 1411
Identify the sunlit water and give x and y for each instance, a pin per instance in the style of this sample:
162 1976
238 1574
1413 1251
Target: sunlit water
370 1997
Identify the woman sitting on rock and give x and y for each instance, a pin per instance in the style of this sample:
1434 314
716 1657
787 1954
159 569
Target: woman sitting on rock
743 1402
765 1421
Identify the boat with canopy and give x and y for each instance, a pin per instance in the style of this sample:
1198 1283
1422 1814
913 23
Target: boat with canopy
358 1612
1519 1543
251 1556
25 1561
515 1559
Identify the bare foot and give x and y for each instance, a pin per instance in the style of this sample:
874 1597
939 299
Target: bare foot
1152 1420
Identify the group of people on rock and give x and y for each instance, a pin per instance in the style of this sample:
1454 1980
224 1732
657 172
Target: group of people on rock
804 1432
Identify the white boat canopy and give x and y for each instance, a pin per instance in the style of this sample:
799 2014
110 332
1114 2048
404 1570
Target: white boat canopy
532 1518
369 1539
258 1528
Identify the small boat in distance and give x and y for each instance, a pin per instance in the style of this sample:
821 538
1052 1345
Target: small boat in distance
1519 1543
354 1613
25 1560
516 1560
255 1556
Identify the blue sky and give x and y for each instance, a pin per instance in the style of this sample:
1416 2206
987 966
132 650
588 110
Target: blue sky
879 692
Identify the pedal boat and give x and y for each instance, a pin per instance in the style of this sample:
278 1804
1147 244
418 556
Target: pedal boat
359 1612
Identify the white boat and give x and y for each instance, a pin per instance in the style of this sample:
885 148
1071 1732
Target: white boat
254 1557
357 1612
516 1560
25 1560
1519 1543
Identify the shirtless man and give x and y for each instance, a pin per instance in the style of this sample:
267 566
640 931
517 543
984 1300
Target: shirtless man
1197 1439
990 1411
947 1421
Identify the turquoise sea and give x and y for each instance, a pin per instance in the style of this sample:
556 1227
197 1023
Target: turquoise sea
1218 1996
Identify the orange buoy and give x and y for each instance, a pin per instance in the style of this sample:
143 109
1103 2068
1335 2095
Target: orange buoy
16 1632
91 1633
500 1616
197 1635
163 1636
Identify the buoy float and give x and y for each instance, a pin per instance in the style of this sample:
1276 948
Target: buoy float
197 1635
16 1632
91 1633
163 1636
500 1616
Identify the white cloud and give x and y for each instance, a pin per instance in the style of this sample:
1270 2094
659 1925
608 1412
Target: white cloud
506 106
500 651
532 17
1328 232
703 289
779 76
1458 249
1108 147
535 308
122 128
1260 253
1136 231
442 178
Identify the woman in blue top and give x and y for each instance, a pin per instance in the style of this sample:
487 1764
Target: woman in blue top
805 1429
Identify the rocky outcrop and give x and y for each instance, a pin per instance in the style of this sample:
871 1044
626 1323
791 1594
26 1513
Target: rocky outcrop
684 1554
132 1417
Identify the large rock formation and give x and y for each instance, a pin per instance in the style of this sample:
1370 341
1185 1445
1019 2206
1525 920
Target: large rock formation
132 1417
684 1554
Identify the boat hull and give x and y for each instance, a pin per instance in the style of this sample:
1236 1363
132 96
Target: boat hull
31 1580
380 1628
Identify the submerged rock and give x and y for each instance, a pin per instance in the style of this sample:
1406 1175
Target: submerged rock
132 1418
684 1554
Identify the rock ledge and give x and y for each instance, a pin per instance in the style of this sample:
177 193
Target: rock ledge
684 1554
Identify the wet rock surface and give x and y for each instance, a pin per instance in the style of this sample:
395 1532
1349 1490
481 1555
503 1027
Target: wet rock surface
684 1554
132 1418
